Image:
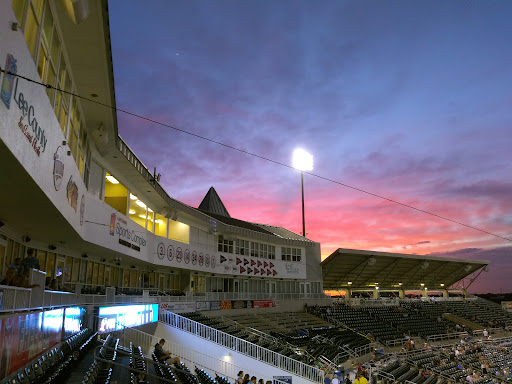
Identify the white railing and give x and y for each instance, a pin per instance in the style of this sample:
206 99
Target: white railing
14 298
59 299
188 356
446 336
241 346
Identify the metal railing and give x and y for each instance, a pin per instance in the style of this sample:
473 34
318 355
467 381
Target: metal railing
15 298
244 347
446 336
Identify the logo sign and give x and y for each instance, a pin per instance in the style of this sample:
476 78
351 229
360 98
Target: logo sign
207 261
112 224
72 193
7 84
160 251
201 259
194 257
187 256
179 254
214 262
37 137
58 168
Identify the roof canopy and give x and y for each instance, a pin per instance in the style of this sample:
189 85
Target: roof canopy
365 269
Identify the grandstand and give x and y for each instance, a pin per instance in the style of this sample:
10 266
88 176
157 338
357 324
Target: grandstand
110 263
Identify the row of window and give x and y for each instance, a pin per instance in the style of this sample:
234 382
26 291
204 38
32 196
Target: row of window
261 250
70 270
121 199
43 41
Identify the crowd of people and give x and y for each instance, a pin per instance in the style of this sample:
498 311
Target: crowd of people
246 379
17 275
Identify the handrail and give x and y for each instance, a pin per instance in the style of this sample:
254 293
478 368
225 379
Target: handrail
243 347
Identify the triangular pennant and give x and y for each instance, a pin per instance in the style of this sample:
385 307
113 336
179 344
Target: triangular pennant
246 261
265 264
242 269
238 261
256 271
274 273
249 270
269 271
259 263
253 263
271 265
222 259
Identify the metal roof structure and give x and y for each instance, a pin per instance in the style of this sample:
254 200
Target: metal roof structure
355 269
213 204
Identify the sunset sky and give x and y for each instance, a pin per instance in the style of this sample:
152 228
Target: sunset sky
408 100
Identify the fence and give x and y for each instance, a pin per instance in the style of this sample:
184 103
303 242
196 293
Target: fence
241 346
188 356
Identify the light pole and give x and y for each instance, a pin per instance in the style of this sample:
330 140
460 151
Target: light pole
302 161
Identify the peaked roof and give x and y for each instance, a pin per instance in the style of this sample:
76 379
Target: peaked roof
213 204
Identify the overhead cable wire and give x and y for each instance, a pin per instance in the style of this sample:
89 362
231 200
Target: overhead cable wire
253 154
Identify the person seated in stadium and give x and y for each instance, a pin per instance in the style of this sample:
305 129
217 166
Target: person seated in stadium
11 278
162 356
17 263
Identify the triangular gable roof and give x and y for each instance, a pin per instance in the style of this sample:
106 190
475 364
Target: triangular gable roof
213 204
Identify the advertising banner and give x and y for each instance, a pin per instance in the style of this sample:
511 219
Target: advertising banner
215 305
282 379
27 336
226 304
238 304
262 303
179 307
203 305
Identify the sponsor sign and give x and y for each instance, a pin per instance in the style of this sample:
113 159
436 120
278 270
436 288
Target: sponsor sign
239 304
215 305
7 84
203 305
179 307
282 379
226 304
129 238
262 303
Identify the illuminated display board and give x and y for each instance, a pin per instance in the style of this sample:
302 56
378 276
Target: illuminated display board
73 320
119 317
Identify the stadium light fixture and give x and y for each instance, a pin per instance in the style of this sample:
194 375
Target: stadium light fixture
442 284
422 284
349 283
303 161
112 179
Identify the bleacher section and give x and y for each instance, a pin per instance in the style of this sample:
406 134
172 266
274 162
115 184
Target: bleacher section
425 319
301 336
56 364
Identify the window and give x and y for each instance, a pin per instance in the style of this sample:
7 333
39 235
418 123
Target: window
179 231
160 225
265 251
37 22
291 254
225 245
255 249
242 247
116 194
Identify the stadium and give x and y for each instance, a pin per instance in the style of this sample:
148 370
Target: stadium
100 264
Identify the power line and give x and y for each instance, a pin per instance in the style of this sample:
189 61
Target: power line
253 154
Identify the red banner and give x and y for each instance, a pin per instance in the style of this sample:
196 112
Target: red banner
262 303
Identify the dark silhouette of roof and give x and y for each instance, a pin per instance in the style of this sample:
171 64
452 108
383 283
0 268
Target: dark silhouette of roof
213 204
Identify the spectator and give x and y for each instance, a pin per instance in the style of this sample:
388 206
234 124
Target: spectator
29 262
360 379
17 263
162 356
253 380
11 278
246 379
261 381
240 378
